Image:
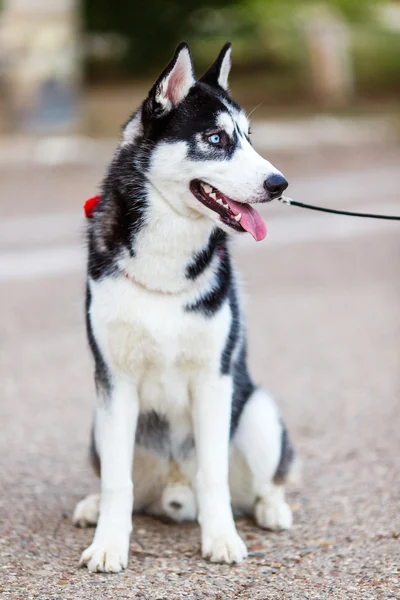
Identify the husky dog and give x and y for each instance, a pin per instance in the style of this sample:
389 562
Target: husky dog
180 429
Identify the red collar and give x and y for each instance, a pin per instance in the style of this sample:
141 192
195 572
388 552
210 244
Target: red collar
90 206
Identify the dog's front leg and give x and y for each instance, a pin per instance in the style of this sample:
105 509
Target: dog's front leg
115 427
212 400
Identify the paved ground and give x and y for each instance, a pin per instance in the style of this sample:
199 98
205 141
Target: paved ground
324 327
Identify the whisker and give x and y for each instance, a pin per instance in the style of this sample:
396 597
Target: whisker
254 109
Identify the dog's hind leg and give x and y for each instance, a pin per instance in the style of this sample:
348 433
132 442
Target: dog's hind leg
86 513
261 456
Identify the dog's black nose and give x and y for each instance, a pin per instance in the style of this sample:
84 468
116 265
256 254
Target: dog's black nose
275 185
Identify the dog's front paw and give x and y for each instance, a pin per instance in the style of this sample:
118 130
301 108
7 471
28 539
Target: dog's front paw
225 548
109 556
274 516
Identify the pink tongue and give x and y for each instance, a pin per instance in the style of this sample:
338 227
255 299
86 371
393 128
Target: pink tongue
251 220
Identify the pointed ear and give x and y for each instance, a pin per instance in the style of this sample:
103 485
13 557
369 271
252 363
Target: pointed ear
173 84
218 73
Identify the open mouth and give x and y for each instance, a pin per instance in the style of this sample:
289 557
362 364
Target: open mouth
238 216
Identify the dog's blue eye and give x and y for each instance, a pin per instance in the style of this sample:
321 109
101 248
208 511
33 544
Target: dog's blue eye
214 138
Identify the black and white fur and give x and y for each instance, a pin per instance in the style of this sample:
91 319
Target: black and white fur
179 429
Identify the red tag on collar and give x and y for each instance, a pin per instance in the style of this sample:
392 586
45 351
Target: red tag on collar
90 205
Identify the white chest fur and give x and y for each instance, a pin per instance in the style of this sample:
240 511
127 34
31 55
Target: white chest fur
150 339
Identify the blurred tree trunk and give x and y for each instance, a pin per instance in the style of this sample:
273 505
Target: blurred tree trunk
39 65
328 42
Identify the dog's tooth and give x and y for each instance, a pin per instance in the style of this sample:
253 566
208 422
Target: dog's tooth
238 217
220 201
213 196
226 205
207 188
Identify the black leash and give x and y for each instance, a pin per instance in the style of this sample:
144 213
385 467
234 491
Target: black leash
348 213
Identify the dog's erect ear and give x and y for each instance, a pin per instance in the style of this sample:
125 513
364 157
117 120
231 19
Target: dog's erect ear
173 84
218 73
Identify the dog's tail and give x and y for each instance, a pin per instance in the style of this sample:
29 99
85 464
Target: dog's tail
178 498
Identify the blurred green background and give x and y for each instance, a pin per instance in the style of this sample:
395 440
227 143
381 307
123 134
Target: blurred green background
271 53
63 64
